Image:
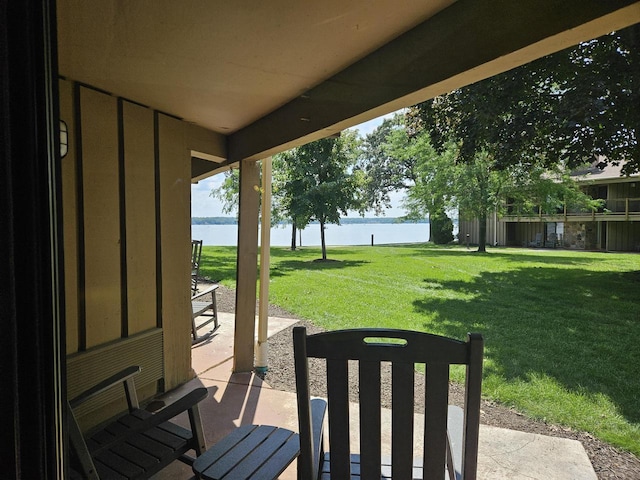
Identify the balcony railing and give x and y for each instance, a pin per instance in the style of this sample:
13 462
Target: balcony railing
613 206
623 205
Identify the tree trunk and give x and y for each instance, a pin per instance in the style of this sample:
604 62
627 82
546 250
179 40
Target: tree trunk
430 230
293 235
324 246
482 233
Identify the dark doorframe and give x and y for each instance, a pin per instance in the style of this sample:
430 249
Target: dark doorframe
31 336
512 239
603 236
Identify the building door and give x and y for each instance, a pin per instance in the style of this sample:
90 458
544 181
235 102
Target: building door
512 239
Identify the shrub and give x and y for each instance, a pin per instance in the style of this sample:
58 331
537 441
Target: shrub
441 228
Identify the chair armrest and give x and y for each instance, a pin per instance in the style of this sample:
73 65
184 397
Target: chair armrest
107 383
189 401
204 292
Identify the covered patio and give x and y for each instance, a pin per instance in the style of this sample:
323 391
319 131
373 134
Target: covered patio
155 95
237 399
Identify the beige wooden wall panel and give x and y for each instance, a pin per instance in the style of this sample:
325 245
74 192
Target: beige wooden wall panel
620 230
634 237
502 233
85 369
623 236
207 142
70 219
613 236
496 232
625 190
467 227
101 217
175 222
140 198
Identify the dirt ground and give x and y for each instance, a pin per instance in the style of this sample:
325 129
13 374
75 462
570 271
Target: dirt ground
608 462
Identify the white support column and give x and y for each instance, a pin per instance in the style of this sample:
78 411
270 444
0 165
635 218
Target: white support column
262 352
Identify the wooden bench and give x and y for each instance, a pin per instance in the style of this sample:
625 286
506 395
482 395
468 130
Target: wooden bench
139 443
202 302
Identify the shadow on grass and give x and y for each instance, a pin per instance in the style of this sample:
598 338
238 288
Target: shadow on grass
284 267
552 322
313 252
310 259
549 256
218 264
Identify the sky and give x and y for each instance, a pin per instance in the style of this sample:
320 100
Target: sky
204 205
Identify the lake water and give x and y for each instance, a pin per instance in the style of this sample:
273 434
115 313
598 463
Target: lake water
349 234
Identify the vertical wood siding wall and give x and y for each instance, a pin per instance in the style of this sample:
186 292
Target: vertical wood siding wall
472 227
126 206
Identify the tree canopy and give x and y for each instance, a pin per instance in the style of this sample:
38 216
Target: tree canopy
386 166
319 183
572 107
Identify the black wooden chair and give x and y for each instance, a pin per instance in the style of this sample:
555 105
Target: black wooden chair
138 444
451 434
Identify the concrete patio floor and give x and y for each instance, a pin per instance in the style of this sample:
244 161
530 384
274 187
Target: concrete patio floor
243 398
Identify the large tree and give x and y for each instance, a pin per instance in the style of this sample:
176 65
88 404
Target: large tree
574 107
229 191
229 194
430 188
285 190
283 206
321 182
595 95
392 161
387 166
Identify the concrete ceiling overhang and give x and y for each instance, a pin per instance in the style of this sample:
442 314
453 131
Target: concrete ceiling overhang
272 75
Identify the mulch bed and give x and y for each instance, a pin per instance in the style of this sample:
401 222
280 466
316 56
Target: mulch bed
608 462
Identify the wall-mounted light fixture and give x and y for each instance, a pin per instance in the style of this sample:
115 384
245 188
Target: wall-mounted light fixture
64 139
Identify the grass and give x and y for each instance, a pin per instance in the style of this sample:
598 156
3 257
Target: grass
561 328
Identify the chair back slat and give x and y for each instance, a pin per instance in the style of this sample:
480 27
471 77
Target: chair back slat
402 409
473 386
370 419
307 463
338 399
435 419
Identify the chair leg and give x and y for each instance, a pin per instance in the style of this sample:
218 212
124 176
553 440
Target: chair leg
194 331
215 308
197 430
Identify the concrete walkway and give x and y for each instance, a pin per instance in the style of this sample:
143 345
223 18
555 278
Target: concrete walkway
240 399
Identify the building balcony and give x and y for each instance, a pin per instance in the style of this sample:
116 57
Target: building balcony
614 210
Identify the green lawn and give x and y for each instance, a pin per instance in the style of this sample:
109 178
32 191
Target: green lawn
561 328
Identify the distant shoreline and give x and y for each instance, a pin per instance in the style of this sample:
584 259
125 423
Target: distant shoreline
343 221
